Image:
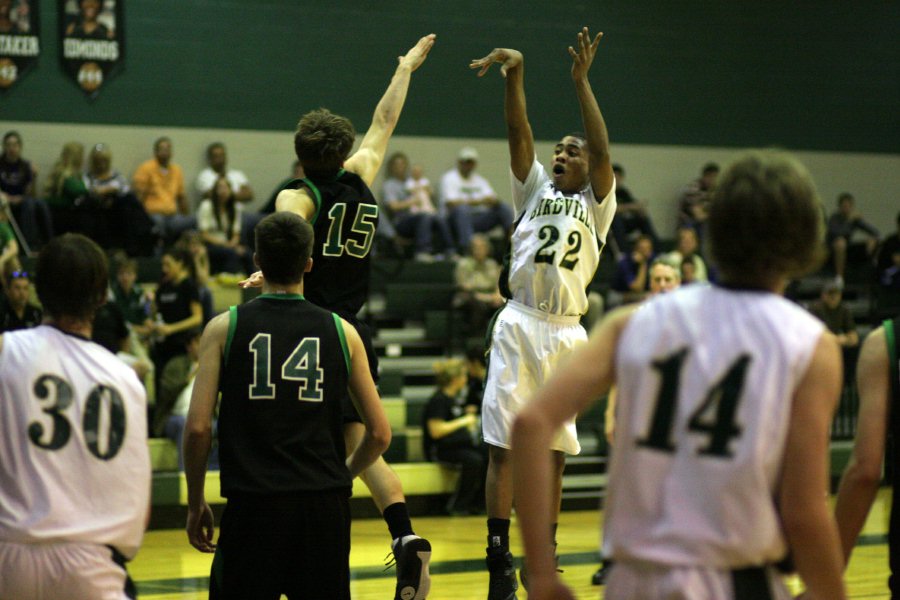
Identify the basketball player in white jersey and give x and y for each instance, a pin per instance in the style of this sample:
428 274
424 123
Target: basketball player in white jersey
74 461
561 224
726 397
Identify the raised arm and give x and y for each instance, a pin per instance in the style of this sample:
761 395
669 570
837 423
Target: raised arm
366 161
861 478
599 166
518 129
809 527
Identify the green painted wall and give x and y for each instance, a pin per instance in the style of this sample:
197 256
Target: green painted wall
801 74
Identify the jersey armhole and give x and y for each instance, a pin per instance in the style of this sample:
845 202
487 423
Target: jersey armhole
890 337
343 338
317 198
232 326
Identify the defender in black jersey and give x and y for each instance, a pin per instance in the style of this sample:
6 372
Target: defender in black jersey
282 366
878 382
335 197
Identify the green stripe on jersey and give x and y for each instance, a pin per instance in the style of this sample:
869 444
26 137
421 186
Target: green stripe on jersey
232 326
340 330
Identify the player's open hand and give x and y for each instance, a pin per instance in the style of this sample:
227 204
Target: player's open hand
418 53
201 527
254 281
583 55
507 57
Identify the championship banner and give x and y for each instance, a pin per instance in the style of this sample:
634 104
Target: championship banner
92 41
19 44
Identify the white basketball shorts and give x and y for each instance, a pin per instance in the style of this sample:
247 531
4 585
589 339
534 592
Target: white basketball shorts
62 570
638 581
526 347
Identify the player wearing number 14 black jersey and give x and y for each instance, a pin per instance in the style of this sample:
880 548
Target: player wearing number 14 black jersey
282 366
74 462
335 197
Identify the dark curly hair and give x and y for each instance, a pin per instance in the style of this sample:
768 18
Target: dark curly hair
323 141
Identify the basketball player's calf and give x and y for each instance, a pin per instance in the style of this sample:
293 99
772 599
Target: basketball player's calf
411 552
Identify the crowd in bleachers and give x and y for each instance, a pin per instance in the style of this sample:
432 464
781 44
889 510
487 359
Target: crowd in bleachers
459 219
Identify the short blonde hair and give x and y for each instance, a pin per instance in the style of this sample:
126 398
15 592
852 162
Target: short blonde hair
448 370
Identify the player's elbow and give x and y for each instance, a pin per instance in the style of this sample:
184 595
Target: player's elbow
863 473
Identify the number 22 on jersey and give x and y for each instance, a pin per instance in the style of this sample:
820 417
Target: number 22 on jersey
715 417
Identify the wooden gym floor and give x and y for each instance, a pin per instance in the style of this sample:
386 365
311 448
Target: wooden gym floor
167 568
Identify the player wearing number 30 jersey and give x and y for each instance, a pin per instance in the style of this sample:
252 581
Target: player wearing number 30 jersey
74 462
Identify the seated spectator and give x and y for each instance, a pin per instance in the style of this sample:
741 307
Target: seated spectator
127 294
9 248
477 283
296 173
476 369
842 224
18 182
470 203
632 217
692 208
664 276
836 315
451 436
111 214
174 398
190 241
217 161
159 185
632 271
110 330
890 249
177 307
17 312
687 250
411 210
219 223
66 188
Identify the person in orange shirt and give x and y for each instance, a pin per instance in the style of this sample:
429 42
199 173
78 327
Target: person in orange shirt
159 184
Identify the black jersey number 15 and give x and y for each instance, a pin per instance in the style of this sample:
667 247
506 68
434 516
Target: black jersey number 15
363 225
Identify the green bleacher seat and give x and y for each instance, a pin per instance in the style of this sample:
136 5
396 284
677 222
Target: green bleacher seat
411 300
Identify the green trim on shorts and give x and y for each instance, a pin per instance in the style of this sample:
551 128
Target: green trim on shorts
340 330
232 327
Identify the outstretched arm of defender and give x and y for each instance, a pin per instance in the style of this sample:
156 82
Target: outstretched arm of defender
518 129
366 161
600 168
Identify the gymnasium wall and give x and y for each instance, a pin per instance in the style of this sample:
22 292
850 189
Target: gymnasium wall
679 84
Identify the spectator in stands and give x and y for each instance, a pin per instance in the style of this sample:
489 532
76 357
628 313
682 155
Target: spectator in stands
296 173
110 330
219 223
476 368
159 184
217 159
66 188
889 254
111 214
411 210
178 308
632 277
692 209
687 250
127 294
842 224
478 291
836 315
9 248
174 398
632 217
191 242
18 182
451 436
17 312
469 201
